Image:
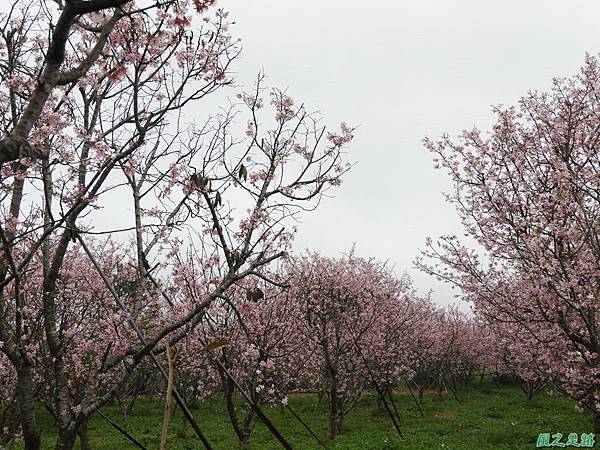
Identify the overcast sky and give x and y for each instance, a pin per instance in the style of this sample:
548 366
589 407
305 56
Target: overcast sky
402 70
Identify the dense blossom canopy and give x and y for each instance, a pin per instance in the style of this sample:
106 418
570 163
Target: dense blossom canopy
528 193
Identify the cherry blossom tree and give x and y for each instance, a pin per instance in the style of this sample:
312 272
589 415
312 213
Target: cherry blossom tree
260 350
423 346
516 353
110 116
446 347
65 132
349 308
528 194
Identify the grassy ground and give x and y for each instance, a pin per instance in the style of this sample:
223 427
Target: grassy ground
488 417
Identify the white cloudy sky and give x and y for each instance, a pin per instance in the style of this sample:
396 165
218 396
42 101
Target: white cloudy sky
403 70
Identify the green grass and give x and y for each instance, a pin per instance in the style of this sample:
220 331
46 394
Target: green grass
487 417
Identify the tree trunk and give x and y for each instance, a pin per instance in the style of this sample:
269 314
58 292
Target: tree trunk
335 413
129 407
495 379
421 392
82 431
247 428
319 399
31 432
66 439
228 391
335 424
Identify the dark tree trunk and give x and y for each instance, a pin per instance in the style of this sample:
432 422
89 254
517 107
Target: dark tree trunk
469 377
129 407
31 432
421 392
319 399
242 431
66 439
335 413
246 428
82 431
